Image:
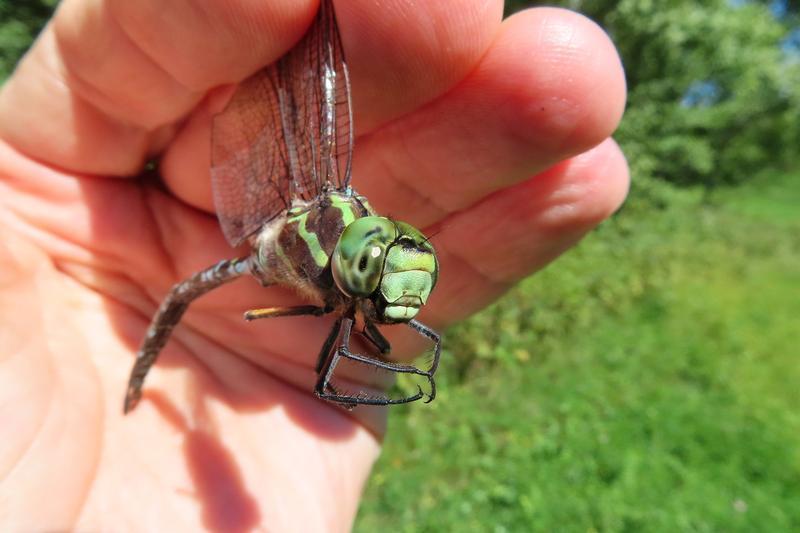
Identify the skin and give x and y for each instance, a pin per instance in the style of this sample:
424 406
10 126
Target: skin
493 136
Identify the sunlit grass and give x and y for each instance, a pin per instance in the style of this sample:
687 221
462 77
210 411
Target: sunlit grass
646 382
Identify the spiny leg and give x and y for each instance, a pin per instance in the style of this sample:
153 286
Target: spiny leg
427 332
325 352
326 391
374 335
328 359
169 314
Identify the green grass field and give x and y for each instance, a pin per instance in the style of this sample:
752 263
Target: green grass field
648 381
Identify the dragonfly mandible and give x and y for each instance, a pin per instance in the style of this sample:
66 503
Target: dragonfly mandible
281 164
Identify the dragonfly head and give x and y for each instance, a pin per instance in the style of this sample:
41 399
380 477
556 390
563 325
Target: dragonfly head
389 262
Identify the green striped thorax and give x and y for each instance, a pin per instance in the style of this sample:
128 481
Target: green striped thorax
389 262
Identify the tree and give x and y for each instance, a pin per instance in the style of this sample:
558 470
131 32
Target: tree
714 88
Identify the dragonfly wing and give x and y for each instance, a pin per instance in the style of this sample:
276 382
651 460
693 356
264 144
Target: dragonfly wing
250 172
285 134
318 108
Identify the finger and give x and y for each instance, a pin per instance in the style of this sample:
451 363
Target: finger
399 56
108 74
486 249
105 84
516 231
550 86
403 54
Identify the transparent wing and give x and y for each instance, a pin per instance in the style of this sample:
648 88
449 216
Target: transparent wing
249 162
285 134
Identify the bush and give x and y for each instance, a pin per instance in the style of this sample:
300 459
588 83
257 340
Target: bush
19 24
714 87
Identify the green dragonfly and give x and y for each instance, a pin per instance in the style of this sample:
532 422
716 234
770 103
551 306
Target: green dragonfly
281 164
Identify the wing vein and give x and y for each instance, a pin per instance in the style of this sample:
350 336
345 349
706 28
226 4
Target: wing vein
286 133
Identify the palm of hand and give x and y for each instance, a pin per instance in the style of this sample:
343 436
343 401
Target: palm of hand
228 436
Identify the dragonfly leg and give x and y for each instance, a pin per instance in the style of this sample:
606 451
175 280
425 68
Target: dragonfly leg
428 333
272 312
325 390
328 358
325 352
373 334
169 314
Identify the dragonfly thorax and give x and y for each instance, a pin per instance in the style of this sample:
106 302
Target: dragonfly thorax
391 263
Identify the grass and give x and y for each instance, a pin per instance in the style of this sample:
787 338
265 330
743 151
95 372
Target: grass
645 382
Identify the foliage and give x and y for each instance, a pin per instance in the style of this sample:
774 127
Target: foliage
647 382
713 95
19 24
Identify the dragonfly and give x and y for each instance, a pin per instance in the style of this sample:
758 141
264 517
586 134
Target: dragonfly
281 165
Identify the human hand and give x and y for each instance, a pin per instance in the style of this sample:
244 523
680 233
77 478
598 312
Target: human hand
494 136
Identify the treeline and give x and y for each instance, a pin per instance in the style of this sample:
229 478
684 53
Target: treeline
714 85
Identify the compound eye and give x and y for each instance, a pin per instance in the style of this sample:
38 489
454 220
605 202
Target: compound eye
367 260
357 262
